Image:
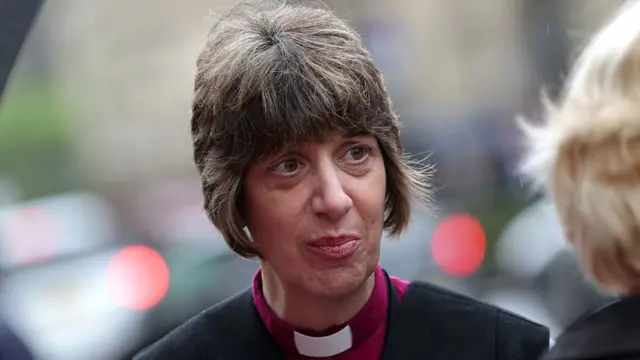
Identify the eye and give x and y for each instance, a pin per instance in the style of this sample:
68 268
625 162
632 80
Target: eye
287 166
357 154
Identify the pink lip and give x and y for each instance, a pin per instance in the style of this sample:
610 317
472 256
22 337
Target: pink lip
335 247
333 240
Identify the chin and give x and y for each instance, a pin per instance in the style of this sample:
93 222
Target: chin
341 281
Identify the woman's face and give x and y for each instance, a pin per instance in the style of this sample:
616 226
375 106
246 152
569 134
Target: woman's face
316 213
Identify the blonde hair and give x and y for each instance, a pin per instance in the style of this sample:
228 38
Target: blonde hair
587 154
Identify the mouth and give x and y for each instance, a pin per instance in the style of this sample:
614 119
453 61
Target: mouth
335 247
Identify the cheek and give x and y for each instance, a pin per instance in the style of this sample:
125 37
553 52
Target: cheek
272 219
371 196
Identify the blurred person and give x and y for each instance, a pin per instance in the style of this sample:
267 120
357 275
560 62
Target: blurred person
587 156
11 346
298 149
16 17
15 21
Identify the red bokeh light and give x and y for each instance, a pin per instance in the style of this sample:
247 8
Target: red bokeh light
459 245
138 277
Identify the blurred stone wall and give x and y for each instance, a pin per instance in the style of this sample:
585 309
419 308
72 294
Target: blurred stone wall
127 66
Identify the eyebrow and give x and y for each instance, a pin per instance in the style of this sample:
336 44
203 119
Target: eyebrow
299 145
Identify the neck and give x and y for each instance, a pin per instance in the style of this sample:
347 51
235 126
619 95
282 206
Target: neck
307 311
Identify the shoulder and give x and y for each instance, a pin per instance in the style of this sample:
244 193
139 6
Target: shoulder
611 331
193 339
512 333
454 302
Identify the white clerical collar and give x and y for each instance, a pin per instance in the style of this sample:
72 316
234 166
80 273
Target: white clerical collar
324 346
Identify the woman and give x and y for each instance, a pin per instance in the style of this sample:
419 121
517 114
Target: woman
301 164
587 155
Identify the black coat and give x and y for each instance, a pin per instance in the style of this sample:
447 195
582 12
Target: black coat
612 332
431 323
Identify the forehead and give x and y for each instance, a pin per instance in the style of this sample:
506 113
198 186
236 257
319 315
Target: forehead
267 144
333 140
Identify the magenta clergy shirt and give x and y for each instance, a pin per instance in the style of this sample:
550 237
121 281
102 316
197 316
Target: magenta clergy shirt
367 327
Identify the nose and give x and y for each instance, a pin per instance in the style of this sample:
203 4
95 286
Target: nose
331 200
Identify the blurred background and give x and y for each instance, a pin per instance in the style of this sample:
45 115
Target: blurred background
104 246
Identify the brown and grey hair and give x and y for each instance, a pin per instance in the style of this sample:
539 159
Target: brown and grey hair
273 75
